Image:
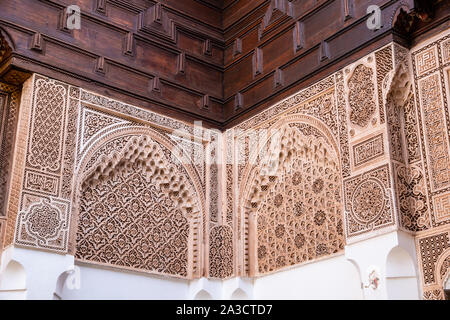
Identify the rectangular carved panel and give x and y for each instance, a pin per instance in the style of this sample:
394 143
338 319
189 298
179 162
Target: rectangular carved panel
46 129
368 203
368 150
426 61
434 262
36 181
43 222
436 133
441 204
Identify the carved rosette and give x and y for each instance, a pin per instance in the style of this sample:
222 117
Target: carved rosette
44 223
368 202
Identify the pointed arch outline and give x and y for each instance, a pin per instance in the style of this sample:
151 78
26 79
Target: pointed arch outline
249 170
248 220
88 165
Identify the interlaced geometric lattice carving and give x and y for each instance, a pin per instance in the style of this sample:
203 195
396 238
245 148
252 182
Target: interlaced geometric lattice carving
298 205
135 211
435 131
125 220
221 252
47 126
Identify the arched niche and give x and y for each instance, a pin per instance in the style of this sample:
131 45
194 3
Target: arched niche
401 276
203 295
68 280
133 193
13 282
239 294
299 162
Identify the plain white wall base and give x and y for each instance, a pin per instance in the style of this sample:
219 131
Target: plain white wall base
36 274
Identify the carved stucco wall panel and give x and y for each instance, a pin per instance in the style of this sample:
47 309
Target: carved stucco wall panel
127 220
361 94
412 197
361 152
48 168
434 255
431 87
60 125
9 111
289 190
368 202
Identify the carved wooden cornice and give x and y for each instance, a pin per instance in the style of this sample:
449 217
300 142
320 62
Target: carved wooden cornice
219 62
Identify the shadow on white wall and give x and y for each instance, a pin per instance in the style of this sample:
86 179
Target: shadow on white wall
401 275
203 295
13 282
239 294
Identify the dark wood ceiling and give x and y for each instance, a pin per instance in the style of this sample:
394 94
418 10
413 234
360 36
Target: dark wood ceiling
211 60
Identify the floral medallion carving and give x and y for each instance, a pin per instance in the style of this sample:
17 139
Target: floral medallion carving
43 223
43 220
298 208
317 185
221 252
368 201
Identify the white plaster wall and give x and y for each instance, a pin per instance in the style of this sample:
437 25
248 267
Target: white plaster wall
401 280
41 270
392 255
101 283
333 278
216 289
12 278
393 272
